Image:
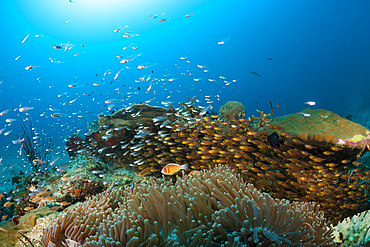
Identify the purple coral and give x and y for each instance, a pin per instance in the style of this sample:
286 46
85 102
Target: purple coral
357 141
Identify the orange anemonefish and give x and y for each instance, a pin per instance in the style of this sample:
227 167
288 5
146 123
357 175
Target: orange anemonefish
172 168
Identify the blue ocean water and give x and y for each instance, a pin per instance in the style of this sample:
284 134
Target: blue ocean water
306 50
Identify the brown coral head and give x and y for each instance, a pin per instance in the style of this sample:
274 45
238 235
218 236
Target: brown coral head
232 110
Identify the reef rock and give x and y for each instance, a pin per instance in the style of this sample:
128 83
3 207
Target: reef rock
137 113
74 143
26 223
93 125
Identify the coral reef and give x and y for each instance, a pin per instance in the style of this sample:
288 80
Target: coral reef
26 224
210 209
93 125
74 144
353 231
293 169
132 116
323 128
84 177
232 110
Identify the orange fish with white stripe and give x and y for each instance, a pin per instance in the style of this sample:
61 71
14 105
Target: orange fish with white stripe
172 168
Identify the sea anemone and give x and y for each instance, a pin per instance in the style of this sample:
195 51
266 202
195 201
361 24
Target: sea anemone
211 208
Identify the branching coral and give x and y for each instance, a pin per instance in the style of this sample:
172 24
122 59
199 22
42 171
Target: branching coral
210 208
232 110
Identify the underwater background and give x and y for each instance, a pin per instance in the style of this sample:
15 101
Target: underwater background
254 52
200 98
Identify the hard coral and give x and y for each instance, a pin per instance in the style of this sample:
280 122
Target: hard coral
323 128
85 188
137 113
232 110
26 224
211 208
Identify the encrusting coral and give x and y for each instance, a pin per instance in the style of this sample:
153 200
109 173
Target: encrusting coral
25 224
323 128
232 110
210 208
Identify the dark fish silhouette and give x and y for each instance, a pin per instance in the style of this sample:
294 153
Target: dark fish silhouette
273 139
254 73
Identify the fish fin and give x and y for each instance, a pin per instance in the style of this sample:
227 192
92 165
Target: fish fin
184 166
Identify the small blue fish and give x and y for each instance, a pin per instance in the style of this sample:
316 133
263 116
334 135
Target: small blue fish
75 85
71 1
310 103
205 110
222 42
53 161
113 101
31 67
57 115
